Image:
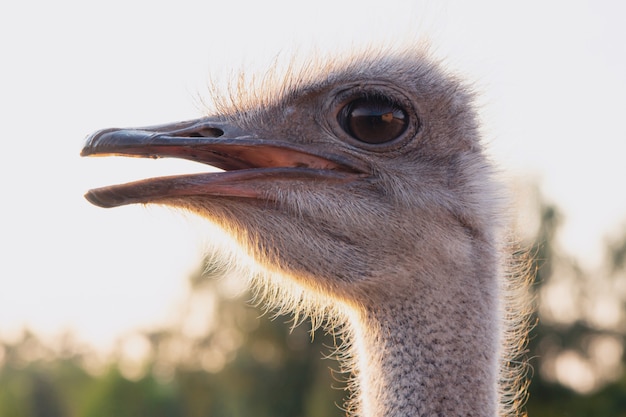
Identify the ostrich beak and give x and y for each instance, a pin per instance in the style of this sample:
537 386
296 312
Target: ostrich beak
249 162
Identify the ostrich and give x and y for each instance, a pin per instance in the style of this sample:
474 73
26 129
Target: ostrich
361 193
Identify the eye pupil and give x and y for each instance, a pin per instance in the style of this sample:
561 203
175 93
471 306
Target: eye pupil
373 120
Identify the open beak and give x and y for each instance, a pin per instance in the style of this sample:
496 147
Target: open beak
249 162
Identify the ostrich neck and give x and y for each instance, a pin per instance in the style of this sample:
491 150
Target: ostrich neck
431 351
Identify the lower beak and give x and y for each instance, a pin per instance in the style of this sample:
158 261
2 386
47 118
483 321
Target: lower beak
249 162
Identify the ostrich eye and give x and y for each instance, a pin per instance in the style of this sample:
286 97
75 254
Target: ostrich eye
373 120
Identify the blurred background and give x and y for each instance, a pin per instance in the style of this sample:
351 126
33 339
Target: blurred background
122 313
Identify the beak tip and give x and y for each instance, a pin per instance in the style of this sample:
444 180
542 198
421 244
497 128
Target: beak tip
90 143
104 200
102 141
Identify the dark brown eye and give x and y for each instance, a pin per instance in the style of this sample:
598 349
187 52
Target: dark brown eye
373 120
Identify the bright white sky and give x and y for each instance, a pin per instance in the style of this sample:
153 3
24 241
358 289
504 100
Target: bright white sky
552 72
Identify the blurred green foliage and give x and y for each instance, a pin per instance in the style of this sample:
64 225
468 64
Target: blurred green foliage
296 383
247 364
553 336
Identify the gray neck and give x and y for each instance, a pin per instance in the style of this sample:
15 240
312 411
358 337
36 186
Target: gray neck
430 351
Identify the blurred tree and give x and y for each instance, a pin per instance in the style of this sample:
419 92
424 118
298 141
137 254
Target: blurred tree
245 363
116 396
617 250
577 354
29 378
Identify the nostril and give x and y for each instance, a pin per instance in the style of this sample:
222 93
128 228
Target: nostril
206 132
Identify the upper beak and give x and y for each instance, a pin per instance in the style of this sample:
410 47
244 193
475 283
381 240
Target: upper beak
250 162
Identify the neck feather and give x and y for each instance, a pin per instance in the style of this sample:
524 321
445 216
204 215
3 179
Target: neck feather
430 351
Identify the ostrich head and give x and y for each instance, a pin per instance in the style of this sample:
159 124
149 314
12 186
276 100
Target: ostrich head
363 187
